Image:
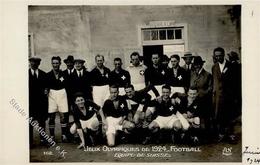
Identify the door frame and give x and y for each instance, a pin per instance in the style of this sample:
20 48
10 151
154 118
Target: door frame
160 42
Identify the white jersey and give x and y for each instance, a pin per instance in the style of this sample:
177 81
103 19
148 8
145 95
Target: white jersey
137 74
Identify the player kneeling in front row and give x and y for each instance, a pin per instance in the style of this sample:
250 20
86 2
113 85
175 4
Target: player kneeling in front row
85 119
191 107
114 116
139 104
166 109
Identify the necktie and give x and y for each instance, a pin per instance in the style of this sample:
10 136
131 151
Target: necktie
34 74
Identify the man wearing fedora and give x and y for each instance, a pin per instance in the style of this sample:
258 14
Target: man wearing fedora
38 102
69 61
81 79
202 80
187 57
223 100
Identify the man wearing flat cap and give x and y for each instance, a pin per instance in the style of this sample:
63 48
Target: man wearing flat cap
202 80
81 79
69 61
38 101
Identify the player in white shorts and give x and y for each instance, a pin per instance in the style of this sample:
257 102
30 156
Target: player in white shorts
100 81
114 115
85 119
166 111
57 98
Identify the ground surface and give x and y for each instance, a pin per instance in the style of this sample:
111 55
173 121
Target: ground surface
213 152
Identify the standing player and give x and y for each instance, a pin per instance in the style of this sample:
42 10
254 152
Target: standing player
85 119
137 71
100 81
57 98
156 75
177 78
114 115
119 76
38 101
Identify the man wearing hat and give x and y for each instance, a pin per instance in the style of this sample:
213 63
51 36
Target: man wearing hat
81 79
187 57
202 80
38 102
69 61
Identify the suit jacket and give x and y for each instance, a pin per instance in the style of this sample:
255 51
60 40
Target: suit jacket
223 89
82 84
202 81
38 102
68 81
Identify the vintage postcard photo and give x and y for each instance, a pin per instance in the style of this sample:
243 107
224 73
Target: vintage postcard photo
133 83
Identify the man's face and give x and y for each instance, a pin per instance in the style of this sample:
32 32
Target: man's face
130 92
219 56
78 65
188 60
100 61
80 102
174 62
70 64
34 64
166 93
113 93
192 93
135 60
155 59
55 64
118 65
197 67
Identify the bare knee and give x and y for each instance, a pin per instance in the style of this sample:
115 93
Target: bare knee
177 125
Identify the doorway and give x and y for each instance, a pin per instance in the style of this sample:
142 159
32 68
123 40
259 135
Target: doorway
149 50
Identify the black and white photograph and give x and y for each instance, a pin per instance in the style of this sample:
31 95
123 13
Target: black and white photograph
159 82
135 83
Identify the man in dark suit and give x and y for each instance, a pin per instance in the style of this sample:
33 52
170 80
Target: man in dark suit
202 81
233 58
69 61
38 101
223 89
81 80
